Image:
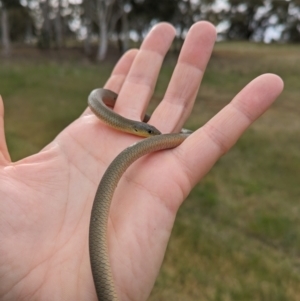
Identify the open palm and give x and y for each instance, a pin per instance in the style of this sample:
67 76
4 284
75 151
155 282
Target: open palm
46 199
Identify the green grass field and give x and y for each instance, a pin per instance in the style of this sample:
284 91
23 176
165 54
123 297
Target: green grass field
237 236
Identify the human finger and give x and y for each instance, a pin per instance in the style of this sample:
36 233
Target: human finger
120 71
4 154
139 84
203 148
118 74
184 84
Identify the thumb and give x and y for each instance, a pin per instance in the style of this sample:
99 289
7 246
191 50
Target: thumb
4 155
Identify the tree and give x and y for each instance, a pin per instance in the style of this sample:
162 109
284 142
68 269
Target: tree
5 31
104 11
45 35
88 6
146 12
119 24
58 25
242 18
6 6
288 14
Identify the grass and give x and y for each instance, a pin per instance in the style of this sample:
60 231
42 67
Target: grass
43 98
237 236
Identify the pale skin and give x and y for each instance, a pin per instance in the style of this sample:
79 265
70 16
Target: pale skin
46 199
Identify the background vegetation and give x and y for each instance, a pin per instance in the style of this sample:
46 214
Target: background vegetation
92 24
237 236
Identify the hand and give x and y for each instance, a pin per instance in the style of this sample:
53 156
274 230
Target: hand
46 199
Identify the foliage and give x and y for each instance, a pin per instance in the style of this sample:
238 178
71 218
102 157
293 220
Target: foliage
52 21
11 3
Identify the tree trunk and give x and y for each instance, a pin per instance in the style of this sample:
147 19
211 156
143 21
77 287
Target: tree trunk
5 32
103 35
45 38
87 41
88 11
28 33
59 27
125 32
